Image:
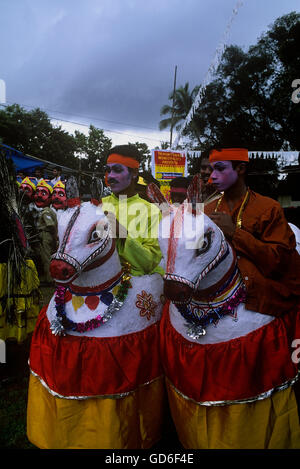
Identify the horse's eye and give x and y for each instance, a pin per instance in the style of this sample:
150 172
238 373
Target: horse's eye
97 232
95 236
206 243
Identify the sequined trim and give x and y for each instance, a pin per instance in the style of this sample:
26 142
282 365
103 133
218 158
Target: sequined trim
100 396
259 397
179 278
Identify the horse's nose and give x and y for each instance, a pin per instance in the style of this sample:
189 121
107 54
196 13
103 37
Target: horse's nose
60 270
176 291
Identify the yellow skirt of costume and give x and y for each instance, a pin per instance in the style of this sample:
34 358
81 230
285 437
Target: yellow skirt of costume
98 423
237 426
237 394
24 300
93 392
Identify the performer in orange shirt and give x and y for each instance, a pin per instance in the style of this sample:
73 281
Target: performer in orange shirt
257 228
232 386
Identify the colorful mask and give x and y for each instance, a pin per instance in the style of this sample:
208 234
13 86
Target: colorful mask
59 198
43 194
28 188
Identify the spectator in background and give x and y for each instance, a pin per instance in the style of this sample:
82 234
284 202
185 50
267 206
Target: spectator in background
201 183
39 174
21 175
56 175
208 191
178 192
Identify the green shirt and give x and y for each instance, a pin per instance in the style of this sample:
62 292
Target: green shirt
141 219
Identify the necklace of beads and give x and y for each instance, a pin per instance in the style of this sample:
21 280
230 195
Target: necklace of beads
61 323
201 314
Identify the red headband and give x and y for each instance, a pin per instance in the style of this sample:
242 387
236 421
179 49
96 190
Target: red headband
229 154
124 160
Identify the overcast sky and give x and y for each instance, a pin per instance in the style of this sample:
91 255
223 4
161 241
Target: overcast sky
111 62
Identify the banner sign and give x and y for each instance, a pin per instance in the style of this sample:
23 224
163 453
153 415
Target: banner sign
167 165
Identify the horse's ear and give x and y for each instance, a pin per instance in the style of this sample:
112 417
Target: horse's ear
96 189
194 193
72 191
155 195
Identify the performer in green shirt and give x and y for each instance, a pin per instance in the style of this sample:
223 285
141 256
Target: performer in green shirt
46 225
135 221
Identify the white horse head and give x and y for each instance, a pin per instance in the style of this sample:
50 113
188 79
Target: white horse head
196 252
202 279
85 242
92 285
195 249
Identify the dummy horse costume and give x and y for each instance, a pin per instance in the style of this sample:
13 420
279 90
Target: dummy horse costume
229 371
96 379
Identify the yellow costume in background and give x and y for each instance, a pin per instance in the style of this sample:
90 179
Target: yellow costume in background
24 300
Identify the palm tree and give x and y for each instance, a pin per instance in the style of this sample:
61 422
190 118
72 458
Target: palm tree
178 111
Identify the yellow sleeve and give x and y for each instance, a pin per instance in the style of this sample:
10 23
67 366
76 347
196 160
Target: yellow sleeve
143 252
143 257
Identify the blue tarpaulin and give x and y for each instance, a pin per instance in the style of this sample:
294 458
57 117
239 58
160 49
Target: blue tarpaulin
21 161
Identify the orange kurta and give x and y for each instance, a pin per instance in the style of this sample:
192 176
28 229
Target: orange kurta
266 255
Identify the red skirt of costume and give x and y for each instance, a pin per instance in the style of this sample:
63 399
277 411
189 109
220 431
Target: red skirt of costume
236 394
90 392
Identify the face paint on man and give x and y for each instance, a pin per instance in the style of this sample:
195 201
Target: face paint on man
223 175
118 177
59 198
42 197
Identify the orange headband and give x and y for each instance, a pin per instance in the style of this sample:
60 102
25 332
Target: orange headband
229 154
124 160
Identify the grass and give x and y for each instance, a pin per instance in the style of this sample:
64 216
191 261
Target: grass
14 377
13 403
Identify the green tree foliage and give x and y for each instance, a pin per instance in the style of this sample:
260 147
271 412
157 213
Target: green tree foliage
249 101
145 154
33 133
92 149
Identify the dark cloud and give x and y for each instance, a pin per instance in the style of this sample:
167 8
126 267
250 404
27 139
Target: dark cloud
115 59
